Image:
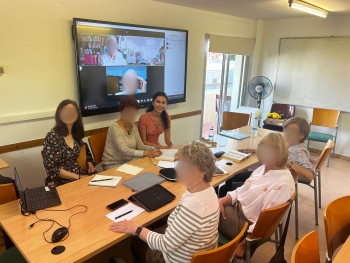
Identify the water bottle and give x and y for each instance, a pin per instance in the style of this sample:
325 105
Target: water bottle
211 133
255 126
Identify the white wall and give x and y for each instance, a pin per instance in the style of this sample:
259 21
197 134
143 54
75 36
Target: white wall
36 51
303 27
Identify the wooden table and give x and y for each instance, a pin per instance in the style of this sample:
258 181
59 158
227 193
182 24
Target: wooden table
89 233
3 164
343 255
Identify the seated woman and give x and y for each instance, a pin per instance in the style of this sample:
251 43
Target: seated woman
193 225
123 142
269 186
156 121
62 146
296 131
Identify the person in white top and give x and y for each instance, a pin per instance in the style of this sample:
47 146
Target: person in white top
193 225
113 57
269 186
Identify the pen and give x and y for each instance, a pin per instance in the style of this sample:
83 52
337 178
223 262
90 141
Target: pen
123 214
93 181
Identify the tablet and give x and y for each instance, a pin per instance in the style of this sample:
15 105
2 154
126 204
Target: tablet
153 197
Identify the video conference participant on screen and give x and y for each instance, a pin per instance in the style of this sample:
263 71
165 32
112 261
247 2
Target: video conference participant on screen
155 122
131 57
159 59
113 57
132 83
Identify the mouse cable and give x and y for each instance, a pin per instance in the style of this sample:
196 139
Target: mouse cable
54 221
156 165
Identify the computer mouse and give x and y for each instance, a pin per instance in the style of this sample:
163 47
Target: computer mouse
59 234
219 154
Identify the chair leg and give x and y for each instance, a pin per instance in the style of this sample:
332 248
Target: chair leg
248 253
276 237
296 212
319 187
329 158
280 230
316 197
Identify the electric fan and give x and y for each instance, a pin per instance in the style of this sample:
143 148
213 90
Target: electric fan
260 88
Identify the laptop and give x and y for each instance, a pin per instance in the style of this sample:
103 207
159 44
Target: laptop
36 198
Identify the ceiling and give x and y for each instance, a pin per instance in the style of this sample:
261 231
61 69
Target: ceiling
262 9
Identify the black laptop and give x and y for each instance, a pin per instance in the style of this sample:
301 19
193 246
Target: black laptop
36 198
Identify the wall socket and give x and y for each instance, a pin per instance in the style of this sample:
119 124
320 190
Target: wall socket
1 70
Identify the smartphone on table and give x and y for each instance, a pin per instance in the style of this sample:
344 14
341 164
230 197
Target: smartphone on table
117 205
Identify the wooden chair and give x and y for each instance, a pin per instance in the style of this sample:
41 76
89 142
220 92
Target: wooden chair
316 185
325 118
234 120
223 254
97 143
269 222
7 193
307 249
337 224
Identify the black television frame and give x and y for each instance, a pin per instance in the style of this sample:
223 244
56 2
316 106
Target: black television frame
115 109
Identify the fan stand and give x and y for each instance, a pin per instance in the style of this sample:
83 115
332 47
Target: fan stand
259 99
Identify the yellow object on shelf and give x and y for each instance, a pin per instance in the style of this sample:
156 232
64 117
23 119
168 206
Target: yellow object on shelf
274 115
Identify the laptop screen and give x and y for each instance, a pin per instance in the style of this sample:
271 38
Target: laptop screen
20 189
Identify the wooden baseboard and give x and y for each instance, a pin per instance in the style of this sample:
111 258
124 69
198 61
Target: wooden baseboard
336 155
39 142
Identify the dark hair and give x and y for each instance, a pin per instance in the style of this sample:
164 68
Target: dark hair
128 102
304 126
164 114
61 127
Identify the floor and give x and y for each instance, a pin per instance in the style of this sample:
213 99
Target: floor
335 184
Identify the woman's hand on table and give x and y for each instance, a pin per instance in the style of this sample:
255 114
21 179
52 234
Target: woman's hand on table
91 168
153 153
128 227
247 150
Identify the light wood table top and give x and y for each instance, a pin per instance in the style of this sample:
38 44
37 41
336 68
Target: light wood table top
343 255
89 233
3 164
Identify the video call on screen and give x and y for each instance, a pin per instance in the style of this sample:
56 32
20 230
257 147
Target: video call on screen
117 61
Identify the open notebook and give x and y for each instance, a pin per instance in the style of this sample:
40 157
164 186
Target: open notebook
167 155
107 181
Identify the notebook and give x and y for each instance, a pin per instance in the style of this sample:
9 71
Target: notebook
136 210
143 181
166 164
167 155
108 183
129 169
234 135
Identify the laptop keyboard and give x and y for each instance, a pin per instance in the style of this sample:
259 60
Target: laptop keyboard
36 198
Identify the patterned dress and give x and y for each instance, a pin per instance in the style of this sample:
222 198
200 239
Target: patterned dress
58 155
146 123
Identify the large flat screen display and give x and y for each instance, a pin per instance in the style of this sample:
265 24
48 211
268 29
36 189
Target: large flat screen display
116 60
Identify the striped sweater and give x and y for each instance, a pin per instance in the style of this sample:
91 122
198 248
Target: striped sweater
192 227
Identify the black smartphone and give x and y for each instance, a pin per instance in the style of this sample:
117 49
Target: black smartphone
117 204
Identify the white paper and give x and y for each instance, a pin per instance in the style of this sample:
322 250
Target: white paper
129 169
167 154
136 210
166 164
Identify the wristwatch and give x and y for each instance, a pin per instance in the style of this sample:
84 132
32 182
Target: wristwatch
138 231
290 166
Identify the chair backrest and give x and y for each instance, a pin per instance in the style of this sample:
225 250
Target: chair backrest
97 143
268 221
234 120
82 159
286 109
328 148
325 117
337 223
227 104
221 254
7 193
307 249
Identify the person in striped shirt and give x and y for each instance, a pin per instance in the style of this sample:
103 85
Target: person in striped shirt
193 225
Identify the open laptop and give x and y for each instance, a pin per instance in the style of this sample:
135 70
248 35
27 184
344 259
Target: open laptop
36 198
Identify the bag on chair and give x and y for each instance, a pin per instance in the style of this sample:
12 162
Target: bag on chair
279 256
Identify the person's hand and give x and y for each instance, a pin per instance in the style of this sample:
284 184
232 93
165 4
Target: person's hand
247 150
91 168
154 153
222 208
241 249
125 226
143 84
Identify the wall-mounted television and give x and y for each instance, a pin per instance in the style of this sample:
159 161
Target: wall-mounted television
115 60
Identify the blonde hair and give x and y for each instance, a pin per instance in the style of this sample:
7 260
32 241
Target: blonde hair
278 140
304 126
200 155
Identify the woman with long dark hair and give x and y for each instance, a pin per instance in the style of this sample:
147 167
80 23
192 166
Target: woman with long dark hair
155 122
62 146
